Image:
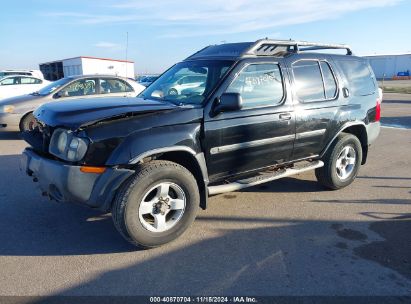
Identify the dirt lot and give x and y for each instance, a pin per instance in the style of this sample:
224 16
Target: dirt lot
396 86
289 237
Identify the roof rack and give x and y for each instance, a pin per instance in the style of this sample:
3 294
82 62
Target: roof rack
268 47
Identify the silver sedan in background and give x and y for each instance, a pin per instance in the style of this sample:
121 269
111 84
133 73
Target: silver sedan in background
16 113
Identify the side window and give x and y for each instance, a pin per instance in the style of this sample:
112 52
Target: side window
112 85
360 78
330 84
81 88
259 85
29 80
308 80
7 81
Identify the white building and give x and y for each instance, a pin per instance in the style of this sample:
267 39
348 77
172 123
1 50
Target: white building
390 65
84 65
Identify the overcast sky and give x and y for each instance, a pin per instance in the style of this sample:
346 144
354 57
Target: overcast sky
162 32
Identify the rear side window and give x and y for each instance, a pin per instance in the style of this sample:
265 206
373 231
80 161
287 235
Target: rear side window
330 85
314 81
29 80
260 85
308 80
359 76
112 85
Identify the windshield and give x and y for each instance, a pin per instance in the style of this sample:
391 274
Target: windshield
53 86
188 82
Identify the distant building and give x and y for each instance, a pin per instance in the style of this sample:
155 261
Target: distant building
391 65
84 65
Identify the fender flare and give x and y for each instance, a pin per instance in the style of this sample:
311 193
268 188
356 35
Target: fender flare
199 159
344 127
149 153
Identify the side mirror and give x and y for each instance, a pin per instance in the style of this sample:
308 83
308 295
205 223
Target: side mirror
62 93
229 102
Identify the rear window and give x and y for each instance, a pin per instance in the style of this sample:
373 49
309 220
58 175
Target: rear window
359 76
308 80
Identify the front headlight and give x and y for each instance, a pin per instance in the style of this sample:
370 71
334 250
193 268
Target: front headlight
62 142
66 145
7 109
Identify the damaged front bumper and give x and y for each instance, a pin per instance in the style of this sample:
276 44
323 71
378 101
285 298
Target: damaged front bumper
66 183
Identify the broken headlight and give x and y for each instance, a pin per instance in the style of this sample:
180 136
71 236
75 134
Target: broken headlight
67 145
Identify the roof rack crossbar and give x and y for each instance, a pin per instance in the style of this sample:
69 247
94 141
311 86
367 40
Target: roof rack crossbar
265 47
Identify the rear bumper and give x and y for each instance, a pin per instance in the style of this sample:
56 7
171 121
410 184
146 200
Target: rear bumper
9 122
66 183
373 130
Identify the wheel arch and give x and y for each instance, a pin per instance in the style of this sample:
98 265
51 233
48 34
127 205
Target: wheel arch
186 157
357 129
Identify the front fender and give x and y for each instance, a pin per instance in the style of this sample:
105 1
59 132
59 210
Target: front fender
141 144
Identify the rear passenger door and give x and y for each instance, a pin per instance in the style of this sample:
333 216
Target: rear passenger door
261 134
317 103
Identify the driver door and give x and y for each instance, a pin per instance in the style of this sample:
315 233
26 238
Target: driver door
259 135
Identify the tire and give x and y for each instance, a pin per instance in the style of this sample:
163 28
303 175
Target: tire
139 205
28 123
172 92
345 152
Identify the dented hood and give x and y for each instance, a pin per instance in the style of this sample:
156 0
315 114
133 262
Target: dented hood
79 112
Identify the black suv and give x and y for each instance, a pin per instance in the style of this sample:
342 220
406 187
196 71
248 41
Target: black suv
253 112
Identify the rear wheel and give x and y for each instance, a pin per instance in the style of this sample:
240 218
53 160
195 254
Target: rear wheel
28 123
157 204
341 162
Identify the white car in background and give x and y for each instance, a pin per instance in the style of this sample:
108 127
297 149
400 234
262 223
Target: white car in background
184 83
34 73
17 85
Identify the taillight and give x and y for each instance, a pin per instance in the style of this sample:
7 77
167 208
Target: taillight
378 110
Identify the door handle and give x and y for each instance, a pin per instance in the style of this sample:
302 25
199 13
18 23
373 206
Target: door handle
285 116
346 92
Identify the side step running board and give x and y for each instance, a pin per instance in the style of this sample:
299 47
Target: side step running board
263 178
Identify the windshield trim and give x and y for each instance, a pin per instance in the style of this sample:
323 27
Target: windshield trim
68 81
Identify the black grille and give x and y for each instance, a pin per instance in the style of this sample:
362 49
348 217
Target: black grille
39 138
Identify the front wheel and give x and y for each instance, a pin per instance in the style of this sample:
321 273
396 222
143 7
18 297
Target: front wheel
172 92
28 123
157 204
341 162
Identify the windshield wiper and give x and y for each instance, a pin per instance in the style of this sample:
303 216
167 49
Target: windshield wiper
174 102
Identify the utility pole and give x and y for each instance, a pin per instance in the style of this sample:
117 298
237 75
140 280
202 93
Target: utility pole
127 54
